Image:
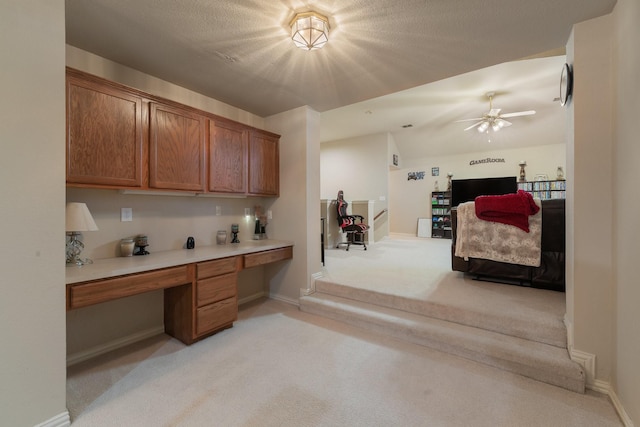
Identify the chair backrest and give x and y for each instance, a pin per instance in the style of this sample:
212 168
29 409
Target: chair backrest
341 205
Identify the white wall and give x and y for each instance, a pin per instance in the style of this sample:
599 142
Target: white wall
359 167
590 278
411 199
32 285
625 186
299 198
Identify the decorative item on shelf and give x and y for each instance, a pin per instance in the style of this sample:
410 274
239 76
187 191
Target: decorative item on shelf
126 247
260 230
221 237
560 174
141 244
191 243
541 177
523 176
234 233
78 218
449 176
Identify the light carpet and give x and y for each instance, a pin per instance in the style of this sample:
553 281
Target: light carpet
279 366
415 275
406 288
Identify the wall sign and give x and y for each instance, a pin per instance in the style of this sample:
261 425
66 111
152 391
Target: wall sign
487 160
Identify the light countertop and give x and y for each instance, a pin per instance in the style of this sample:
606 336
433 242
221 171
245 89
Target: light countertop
111 267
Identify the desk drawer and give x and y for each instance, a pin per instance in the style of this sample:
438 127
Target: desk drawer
216 289
89 293
216 267
266 257
217 315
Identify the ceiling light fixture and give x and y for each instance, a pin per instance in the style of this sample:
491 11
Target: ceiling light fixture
493 119
309 30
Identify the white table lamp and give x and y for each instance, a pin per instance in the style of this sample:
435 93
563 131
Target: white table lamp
78 219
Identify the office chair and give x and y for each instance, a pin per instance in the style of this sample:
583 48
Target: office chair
355 230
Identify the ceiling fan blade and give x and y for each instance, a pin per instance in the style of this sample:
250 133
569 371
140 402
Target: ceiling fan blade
519 113
474 125
469 120
505 123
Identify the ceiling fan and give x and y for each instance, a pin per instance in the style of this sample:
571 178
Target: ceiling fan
493 119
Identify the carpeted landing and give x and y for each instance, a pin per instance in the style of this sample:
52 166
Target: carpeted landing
405 288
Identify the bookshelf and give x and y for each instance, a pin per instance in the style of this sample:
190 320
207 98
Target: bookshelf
441 214
545 190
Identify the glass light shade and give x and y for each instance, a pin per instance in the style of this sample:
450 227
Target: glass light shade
309 30
483 127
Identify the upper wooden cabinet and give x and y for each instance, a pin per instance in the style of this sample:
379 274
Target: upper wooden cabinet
121 137
105 136
264 164
228 157
176 149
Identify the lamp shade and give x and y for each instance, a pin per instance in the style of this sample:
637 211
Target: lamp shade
79 218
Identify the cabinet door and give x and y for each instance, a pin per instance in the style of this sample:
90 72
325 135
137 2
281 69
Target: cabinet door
228 146
104 135
176 149
264 165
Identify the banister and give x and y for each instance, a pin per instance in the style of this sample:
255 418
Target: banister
383 211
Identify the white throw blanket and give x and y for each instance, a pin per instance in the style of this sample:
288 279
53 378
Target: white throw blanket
477 238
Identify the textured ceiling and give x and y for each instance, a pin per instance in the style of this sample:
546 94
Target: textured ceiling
239 52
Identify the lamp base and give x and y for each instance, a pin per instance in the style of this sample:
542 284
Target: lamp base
74 249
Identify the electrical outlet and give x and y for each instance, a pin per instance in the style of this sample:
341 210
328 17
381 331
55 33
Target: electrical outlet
269 214
247 211
218 210
126 214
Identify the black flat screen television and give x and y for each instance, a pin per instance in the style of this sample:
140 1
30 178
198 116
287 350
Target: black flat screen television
466 190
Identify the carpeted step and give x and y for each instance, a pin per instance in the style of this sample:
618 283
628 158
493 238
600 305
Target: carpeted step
526 325
543 362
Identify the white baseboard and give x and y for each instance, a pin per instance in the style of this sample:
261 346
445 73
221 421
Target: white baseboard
98 350
605 388
312 284
285 299
588 363
251 298
60 420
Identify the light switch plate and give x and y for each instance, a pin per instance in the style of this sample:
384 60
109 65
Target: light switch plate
269 214
126 214
218 210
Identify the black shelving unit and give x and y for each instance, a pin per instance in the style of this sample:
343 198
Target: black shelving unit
441 214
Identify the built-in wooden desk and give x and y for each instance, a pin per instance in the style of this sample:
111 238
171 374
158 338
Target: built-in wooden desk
200 285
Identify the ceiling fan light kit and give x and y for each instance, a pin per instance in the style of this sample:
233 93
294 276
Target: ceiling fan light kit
493 119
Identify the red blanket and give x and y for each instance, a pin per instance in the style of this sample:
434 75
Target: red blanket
512 209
